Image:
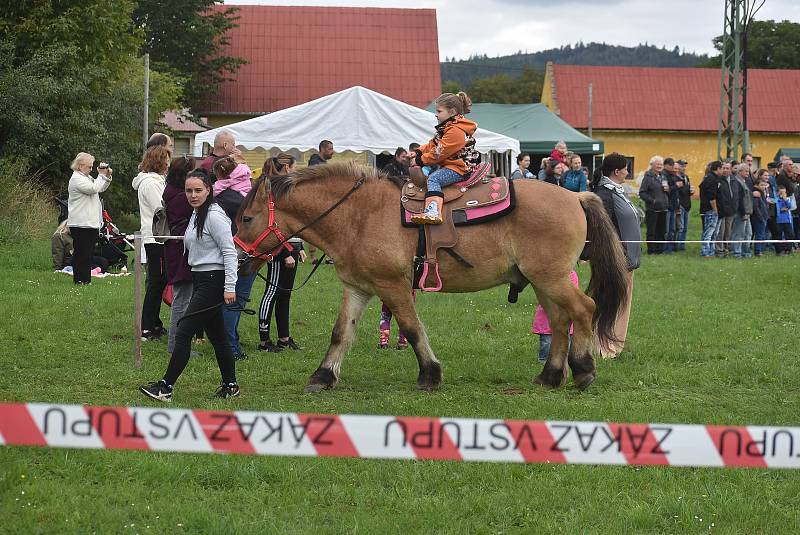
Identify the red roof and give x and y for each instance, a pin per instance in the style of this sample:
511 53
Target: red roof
297 54
655 98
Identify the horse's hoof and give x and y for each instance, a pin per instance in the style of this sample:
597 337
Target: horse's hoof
314 388
427 387
550 378
585 382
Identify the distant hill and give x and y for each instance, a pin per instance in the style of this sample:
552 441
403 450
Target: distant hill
600 54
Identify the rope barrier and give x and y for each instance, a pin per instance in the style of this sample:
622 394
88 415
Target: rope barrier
397 437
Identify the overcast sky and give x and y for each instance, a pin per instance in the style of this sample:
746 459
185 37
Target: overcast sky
500 27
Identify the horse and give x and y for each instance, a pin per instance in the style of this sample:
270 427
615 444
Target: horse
352 212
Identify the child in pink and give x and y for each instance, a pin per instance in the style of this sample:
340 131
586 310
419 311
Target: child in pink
541 325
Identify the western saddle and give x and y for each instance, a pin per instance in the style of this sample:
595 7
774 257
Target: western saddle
478 199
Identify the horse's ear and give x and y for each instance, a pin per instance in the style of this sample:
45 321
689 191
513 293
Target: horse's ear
263 190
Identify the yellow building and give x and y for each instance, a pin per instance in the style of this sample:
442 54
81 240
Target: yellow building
672 112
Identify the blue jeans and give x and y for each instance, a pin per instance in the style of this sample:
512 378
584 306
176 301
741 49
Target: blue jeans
742 230
760 233
710 220
231 313
545 341
681 234
442 177
669 247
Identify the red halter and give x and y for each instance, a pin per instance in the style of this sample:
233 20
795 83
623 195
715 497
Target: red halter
250 249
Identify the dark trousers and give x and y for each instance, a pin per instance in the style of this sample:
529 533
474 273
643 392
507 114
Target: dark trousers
277 296
775 233
656 230
204 311
785 232
83 240
156 281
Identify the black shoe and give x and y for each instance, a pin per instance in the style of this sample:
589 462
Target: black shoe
329 261
290 343
158 390
227 390
155 334
267 345
240 356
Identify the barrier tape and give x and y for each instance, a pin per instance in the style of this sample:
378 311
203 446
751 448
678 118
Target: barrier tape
396 437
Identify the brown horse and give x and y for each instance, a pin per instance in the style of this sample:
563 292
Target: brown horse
352 213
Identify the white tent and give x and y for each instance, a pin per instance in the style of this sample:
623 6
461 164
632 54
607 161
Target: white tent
355 119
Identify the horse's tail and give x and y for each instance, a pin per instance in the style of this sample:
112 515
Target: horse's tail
608 286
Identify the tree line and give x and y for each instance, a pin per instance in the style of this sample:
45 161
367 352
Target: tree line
72 79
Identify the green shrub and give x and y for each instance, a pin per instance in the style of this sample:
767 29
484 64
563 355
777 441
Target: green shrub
26 206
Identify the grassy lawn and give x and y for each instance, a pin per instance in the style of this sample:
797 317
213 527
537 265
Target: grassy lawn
710 342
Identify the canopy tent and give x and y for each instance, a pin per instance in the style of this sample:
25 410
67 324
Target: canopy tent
794 154
534 125
355 119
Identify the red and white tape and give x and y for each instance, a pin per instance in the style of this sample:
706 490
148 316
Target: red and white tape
390 437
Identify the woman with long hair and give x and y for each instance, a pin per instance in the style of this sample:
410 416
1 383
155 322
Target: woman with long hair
281 272
149 185
212 257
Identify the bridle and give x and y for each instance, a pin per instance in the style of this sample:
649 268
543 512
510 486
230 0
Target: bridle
250 249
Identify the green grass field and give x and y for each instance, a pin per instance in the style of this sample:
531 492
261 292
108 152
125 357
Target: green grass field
709 342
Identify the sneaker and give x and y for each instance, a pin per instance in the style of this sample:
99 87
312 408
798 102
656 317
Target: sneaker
329 261
151 335
240 356
401 344
267 345
158 390
290 343
383 342
227 390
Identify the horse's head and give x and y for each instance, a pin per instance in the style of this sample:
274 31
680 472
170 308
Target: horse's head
258 236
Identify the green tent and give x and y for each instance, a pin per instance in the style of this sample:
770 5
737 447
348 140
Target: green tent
534 125
794 154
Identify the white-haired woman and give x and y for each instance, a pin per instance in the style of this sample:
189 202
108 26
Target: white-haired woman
85 212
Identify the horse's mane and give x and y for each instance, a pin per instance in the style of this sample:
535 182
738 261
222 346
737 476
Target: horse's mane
284 184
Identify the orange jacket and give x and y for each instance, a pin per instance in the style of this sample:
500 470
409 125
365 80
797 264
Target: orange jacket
445 147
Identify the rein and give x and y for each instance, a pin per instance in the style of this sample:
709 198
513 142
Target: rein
283 242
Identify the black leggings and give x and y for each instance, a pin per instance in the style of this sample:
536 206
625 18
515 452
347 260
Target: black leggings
204 311
83 240
278 275
156 281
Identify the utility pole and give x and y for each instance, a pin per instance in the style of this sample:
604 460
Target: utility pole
145 132
733 138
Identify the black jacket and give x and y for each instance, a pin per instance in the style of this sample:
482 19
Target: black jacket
727 196
783 180
708 192
685 193
230 200
316 160
652 193
394 169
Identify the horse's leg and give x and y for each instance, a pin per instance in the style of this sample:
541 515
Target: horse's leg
554 373
580 358
354 302
401 304
567 300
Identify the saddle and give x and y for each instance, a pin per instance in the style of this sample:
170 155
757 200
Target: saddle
478 199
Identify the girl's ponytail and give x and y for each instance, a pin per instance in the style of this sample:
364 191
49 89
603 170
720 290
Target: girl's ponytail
466 102
461 102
